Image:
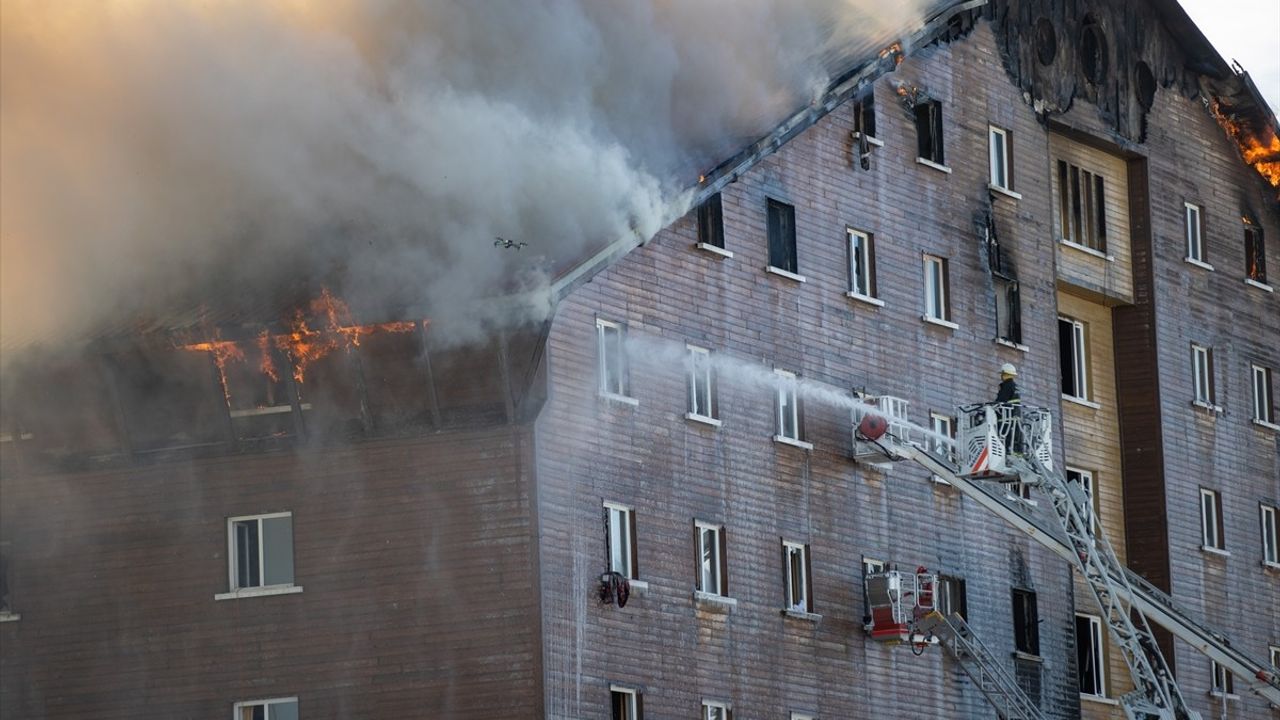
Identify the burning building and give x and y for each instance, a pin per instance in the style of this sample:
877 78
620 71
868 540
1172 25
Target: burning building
651 500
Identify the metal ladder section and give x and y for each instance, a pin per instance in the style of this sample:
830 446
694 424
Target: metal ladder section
986 671
1121 584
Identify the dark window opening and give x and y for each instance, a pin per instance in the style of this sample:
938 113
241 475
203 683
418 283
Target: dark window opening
1089 657
952 598
1009 311
782 236
1144 85
711 222
627 705
247 568
1255 254
1082 210
1046 41
1026 622
929 131
864 115
1093 52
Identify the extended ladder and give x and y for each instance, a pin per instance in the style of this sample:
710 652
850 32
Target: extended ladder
983 667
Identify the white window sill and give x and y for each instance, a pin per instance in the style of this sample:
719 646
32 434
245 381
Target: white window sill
1087 250
1004 191
1268 425
783 439
702 419
713 601
1011 344
784 273
1259 285
1101 700
7 616
1217 409
1215 551
616 398
273 410
801 615
1019 655
1218 694
864 298
934 165
1197 263
1081 401
939 322
870 140
937 480
1270 566
259 592
714 250
639 588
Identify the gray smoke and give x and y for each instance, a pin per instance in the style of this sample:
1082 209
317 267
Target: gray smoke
158 155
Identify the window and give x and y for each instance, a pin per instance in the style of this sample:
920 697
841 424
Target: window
626 703
711 222
620 529
862 264
712 710
782 236
1202 367
1020 490
937 305
1090 665
613 359
1001 166
1255 254
1084 479
1270 554
1074 358
280 709
787 407
1211 519
712 578
869 567
1262 408
1026 622
702 395
1008 311
1275 656
952 598
261 550
943 427
795 564
929 131
864 115
1223 682
1195 233
1082 214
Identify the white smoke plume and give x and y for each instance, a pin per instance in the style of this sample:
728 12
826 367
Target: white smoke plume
158 154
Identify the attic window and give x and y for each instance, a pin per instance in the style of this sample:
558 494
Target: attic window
1144 85
1093 52
1046 41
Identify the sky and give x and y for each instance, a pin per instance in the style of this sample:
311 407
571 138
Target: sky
1247 31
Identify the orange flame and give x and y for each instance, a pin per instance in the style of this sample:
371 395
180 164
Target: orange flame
896 51
1262 153
223 352
267 364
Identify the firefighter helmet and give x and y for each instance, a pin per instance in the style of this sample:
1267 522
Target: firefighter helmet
1009 369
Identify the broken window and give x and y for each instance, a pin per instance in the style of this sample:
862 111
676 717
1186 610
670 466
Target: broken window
169 399
1255 254
929 131
626 703
1001 149
795 567
1202 371
1090 667
782 236
612 358
1262 408
864 115
1073 358
862 264
1008 311
620 529
1223 681
1194 225
786 407
1084 479
952 596
711 222
713 578
1211 531
702 388
1026 622
1082 212
937 305
280 709
261 550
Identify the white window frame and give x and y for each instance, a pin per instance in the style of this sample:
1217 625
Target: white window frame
1263 410
786 397
235 709
709 705
791 550
633 702
232 556
870 566
1202 375
717 581
941 424
1275 656
603 329
937 308
999 138
621 522
803 716
861 279
1087 484
1212 536
1100 659
1221 681
700 372
1193 229
1080 357
1270 534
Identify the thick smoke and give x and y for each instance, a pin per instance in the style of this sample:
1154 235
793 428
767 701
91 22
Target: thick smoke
157 156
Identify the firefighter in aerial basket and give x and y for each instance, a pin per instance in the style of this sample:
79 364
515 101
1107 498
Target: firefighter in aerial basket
1009 396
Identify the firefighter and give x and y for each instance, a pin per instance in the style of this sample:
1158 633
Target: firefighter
1009 395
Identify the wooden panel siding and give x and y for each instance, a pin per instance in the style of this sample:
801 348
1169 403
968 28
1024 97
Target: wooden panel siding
1110 277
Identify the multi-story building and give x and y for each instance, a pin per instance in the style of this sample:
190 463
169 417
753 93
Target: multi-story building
400 528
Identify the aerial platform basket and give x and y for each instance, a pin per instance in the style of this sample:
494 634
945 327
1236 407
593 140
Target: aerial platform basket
993 436
897 603
892 431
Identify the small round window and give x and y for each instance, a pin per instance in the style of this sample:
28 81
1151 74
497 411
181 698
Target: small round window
1144 84
1093 52
1046 41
